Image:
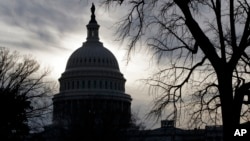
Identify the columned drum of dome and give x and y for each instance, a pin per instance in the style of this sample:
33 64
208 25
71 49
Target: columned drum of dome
92 88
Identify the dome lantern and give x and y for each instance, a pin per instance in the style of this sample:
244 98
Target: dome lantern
93 27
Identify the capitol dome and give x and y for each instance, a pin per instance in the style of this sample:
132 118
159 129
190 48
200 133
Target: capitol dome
92 88
92 54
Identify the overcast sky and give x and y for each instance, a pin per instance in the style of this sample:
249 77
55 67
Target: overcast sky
50 30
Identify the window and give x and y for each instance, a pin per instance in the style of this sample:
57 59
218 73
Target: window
77 84
106 85
111 85
100 84
89 84
94 84
64 86
73 84
83 84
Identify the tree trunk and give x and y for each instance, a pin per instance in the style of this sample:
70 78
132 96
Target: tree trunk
226 97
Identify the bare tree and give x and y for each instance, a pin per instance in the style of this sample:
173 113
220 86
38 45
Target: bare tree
24 94
202 48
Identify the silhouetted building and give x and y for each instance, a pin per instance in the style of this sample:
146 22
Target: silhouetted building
168 132
92 100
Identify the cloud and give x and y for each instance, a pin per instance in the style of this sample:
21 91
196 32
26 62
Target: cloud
41 21
52 29
43 24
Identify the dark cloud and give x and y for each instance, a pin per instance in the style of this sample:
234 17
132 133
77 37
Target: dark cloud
44 20
27 13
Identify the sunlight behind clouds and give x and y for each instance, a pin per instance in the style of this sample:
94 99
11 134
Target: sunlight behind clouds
52 30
